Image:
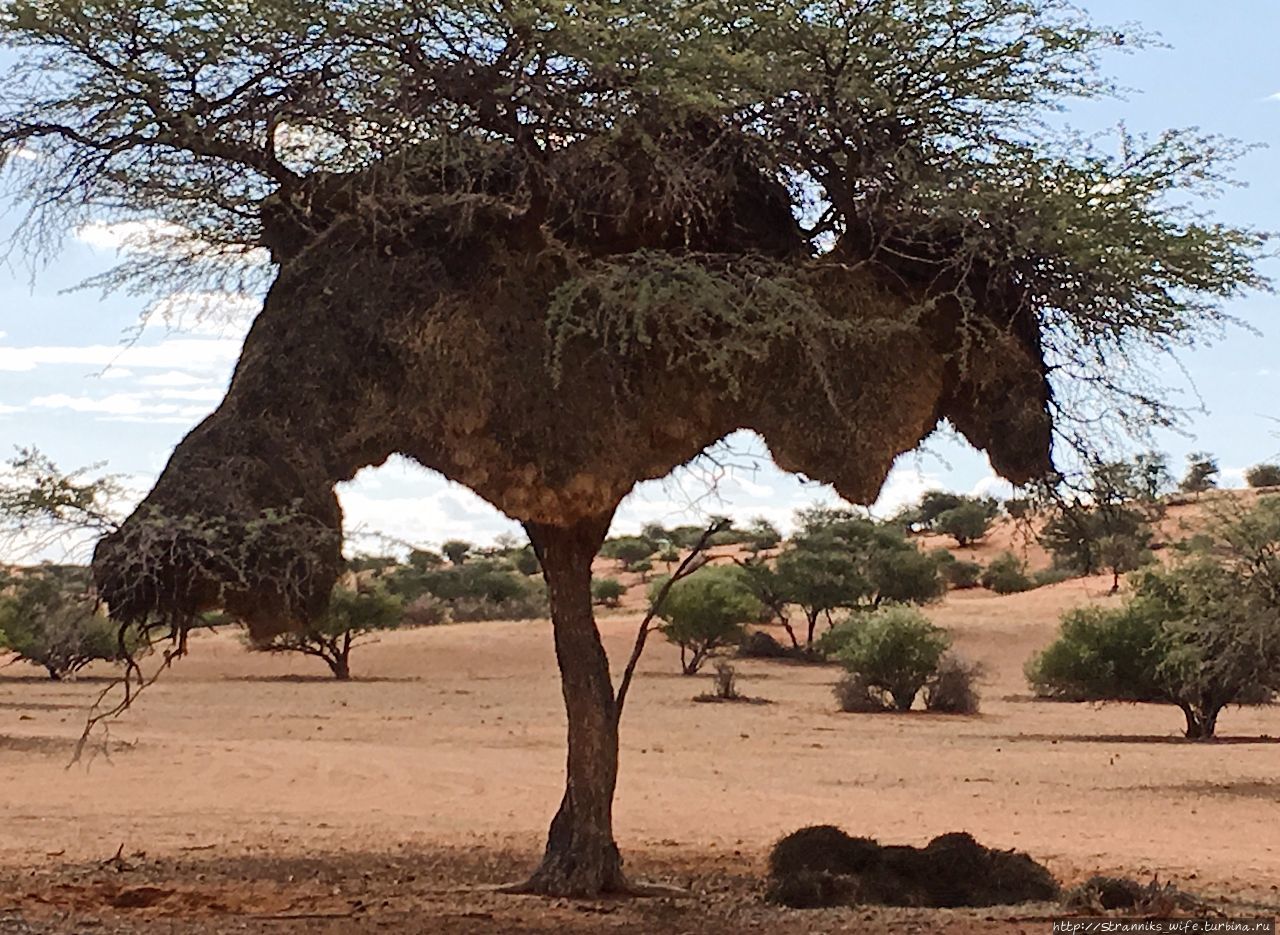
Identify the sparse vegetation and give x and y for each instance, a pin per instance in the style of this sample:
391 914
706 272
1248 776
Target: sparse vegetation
967 522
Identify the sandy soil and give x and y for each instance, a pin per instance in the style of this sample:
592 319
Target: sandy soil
252 793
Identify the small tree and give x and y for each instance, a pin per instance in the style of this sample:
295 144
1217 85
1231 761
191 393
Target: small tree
1201 635
352 614
632 551
51 622
607 591
1202 473
1123 553
456 551
1263 475
526 561
706 612
761 535
1006 574
819 577
895 650
966 523
953 687
425 559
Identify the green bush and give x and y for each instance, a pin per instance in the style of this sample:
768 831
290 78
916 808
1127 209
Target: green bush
967 522
896 650
1006 574
607 591
706 612
1102 654
1263 475
456 551
1048 576
526 561
351 615
955 572
629 550
49 621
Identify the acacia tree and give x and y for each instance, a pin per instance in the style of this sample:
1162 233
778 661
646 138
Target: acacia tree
487 226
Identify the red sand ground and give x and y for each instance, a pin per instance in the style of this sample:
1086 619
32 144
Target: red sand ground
252 793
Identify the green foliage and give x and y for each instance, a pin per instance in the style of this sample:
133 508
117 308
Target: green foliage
456 551
1202 473
48 619
351 615
761 535
1018 507
375 563
1202 635
1101 653
966 523
1006 574
1109 532
607 591
425 559
630 550
1263 475
705 612
957 573
526 561
895 650
483 589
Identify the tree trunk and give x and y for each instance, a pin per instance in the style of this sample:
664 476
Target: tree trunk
581 858
1201 724
812 619
341 667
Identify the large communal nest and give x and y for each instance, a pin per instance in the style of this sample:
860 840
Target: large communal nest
823 866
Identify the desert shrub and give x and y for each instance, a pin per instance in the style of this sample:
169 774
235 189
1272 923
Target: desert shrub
896 650
457 551
1048 576
1101 654
641 568
761 534
833 642
526 561
958 573
352 614
1263 475
726 682
375 563
968 522
1201 474
630 550
1202 635
49 621
855 696
425 611
902 574
761 645
607 591
531 605
953 687
1006 574
706 612
1017 507
425 559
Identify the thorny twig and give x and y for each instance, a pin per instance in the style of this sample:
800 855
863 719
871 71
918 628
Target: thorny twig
692 562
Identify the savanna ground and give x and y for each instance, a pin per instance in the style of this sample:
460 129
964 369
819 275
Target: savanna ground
253 793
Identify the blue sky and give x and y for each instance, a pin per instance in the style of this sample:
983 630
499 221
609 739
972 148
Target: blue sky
69 385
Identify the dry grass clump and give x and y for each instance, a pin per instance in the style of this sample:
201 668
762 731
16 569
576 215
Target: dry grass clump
823 866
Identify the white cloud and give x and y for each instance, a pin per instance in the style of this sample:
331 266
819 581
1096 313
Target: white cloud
208 355
1274 97
172 378
121 404
9 410
117 373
